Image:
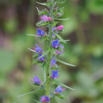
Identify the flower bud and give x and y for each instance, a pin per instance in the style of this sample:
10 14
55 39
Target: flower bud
60 27
59 52
57 15
45 18
49 18
54 9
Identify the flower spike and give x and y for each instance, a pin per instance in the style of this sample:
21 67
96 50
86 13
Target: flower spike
48 58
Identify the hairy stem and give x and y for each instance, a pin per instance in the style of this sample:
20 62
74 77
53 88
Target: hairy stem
49 54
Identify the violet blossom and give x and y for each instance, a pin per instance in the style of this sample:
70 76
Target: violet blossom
54 74
40 32
44 99
36 80
59 89
59 52
37 49
53 62
55 43
42 58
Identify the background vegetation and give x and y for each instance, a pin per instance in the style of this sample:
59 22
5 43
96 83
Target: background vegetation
85 49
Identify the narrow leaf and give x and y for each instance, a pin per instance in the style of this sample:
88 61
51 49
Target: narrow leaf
37 9
37 101
32 35
31 50
36 91
41 23
57 82
60 96
64 62
45 53
61 19
44 71
64 40
62 1
41 3
59 37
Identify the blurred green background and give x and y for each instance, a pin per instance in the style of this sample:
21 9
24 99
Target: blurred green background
85 50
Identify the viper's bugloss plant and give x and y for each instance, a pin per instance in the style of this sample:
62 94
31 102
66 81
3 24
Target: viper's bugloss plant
48 58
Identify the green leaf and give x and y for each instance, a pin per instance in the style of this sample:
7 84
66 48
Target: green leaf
44 4
64 40
31 50
64 62
37 101
39 12
55 23
45 53
63 1
48 4
44 71
57 82
41 23
60 96
36 91
45 38
61 19
59 37
32 35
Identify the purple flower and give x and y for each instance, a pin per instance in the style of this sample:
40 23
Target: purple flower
61 46
59 89
44 99
59 52
42 58
45 18
54 74
36 80
53 62
53 34
55 43
40 32
37 49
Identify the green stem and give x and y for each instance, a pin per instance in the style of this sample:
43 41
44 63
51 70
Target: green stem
49 54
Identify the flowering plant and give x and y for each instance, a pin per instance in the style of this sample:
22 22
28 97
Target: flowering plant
48 58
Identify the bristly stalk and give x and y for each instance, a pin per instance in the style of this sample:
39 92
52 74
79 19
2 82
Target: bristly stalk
49 54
